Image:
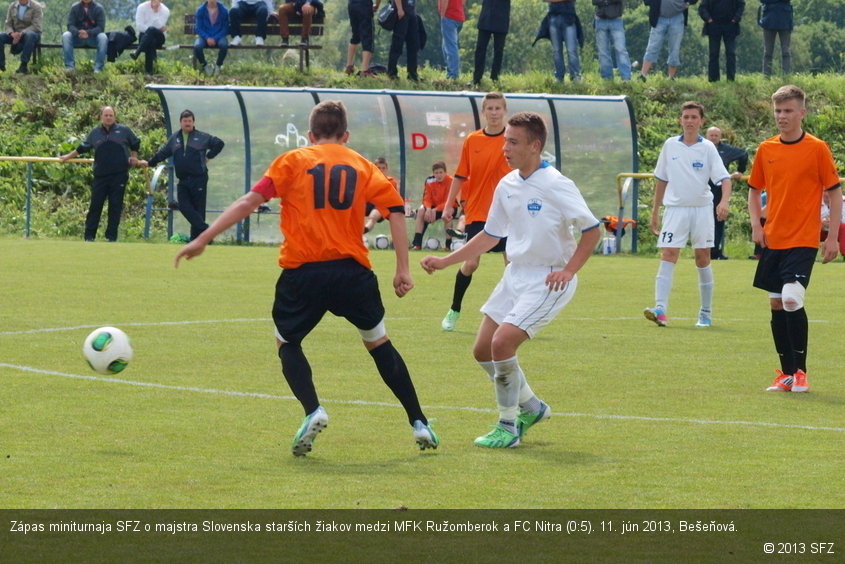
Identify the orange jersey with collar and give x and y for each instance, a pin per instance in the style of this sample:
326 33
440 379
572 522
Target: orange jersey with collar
435 193
483 164
794 176
324 190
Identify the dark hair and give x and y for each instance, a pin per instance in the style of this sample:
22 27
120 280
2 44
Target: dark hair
533 124
693 106
187 113
328 120
438 165
380 160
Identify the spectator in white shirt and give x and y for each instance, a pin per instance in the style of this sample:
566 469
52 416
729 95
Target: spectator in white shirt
151 20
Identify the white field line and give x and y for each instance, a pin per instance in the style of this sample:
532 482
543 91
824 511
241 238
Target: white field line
269 320
108 380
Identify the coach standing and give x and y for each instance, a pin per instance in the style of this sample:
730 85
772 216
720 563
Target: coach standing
115 149
191 150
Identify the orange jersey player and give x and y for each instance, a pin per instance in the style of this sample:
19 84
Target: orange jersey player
324 189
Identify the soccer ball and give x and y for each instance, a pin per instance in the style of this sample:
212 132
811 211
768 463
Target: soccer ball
382 242
107 350
432 243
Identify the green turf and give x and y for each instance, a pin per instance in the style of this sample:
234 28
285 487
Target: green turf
644 417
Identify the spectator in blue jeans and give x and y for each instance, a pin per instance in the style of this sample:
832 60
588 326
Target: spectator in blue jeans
609 27
86 25
212 25
667 18
361 22
22 31
565 27
452 18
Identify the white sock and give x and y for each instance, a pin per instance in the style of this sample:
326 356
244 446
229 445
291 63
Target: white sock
705 288
663 285
527 400
508 382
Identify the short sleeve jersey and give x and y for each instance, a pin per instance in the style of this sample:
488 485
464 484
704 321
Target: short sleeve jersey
435 193
324 190
794 176
687 169
483 163
536 215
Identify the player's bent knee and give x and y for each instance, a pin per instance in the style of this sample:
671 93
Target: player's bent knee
793 296
374 334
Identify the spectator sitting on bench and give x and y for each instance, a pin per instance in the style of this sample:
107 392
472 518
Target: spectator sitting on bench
22 32
86 24
244 9
212 25
151 19
305 8
435 192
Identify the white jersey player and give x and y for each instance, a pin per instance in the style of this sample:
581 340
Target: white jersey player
536 208
685 166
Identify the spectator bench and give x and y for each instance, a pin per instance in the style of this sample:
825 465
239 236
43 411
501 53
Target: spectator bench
273 41
248 34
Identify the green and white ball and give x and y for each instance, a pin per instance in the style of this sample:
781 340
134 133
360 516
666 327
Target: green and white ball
107 350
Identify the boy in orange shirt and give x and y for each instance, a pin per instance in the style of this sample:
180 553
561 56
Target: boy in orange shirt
795 169
435 192
324 189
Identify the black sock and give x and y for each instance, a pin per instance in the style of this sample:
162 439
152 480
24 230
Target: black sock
417 240
462 282
395 374
797 324
297 372
783 344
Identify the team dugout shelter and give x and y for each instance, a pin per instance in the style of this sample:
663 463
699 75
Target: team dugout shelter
591 139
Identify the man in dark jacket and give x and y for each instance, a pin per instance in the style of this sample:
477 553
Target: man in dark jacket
86 24
115 149
775 17
728 154
667 18
22 31
721 24
191 150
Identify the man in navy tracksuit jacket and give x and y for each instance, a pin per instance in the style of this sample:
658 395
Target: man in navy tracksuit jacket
115 149
191 150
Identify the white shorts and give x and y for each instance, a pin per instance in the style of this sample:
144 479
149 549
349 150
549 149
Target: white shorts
522 298
685 223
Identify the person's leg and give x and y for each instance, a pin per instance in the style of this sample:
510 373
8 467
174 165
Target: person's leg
656 37
730 56
117 190
397 43
556 36
785 50
99 193
102 44
449 29
768 50
603 36
199 55
286 10
261 15
705 286
623 61
30 40
481 42
412 46
498 54
4 39
236 15
571 37
222 50
67 50
714 44
675 36
192 206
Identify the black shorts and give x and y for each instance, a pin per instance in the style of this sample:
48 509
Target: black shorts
777 267
476 227
343 287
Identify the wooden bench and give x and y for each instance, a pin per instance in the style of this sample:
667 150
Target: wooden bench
248 30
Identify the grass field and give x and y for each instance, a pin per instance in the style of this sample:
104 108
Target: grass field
643 417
